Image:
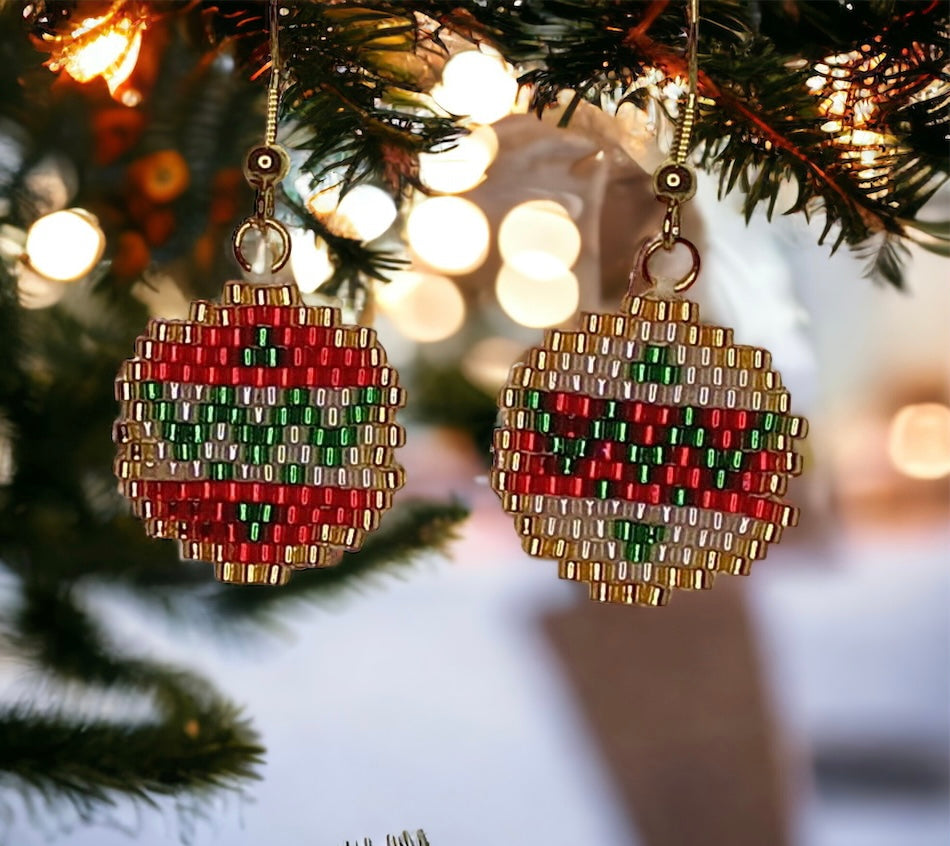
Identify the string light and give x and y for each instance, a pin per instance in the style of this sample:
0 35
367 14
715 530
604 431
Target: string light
366 211
539 238
919 441
65 245
309 261
461 167
107 46
449 234
425 307
477 85
537 302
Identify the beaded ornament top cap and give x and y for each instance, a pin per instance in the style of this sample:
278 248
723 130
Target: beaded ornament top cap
646 451
260 433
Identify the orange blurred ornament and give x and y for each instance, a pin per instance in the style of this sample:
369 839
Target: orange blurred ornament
162 176
116 131
132 256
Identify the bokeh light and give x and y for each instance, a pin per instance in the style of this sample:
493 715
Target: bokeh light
449 234
535 229
65 245
477 85
537 302
919 440
425 307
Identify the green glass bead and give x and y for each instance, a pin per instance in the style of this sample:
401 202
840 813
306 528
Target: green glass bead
712 458
613 408
333 456
374 395
720 479
602 489
262 336
755 439
254 531
670 375
566 465
699 437
150 390
643 474
656 354
622 529
221 471
735 459
770 421
532 399
679 496
689 415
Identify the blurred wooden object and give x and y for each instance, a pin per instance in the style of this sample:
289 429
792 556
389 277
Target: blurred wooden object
675 699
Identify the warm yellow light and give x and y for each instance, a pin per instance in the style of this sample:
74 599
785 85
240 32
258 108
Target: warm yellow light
919 440
366 211
425 307
463 166
102 47
449 234
536 302
477 85
323 201
488 362
539 239
65 245
309 261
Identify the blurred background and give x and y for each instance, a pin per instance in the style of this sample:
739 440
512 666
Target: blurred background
443 679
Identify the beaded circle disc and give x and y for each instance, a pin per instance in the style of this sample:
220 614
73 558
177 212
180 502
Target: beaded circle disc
646 451
259 433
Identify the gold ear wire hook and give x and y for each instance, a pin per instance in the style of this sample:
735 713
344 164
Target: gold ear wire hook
267 164
675 181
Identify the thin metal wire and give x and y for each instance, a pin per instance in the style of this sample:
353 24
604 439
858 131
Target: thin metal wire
273 87
267 165
675 181
687 119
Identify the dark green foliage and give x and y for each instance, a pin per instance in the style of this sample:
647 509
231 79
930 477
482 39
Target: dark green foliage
762 128
196 742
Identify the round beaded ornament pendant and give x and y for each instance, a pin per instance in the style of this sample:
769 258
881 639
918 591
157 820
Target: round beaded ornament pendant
260 433
646 452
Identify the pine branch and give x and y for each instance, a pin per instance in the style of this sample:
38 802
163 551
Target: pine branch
764 128
90 764
197 744
359 71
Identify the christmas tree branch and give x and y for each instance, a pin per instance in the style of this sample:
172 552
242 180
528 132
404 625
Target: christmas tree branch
195 744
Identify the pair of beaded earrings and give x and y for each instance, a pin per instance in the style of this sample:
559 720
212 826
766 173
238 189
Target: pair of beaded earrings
643 451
